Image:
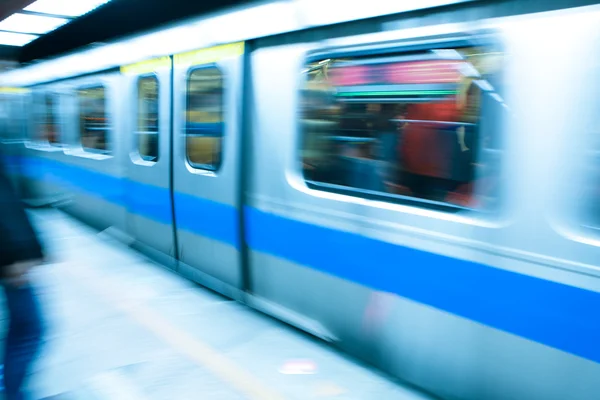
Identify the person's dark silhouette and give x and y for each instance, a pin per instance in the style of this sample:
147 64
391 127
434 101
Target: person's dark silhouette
20 250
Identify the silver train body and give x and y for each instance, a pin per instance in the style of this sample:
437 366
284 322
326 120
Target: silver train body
463 304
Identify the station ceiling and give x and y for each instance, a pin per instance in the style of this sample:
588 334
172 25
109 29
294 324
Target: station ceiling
31 30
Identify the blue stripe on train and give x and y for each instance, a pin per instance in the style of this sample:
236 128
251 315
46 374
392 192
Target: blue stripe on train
554 314
200 216
207 218
557 315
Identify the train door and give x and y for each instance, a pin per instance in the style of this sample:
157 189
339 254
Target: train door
148 183
207 104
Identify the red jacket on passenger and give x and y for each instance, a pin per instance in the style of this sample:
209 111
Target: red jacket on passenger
425 148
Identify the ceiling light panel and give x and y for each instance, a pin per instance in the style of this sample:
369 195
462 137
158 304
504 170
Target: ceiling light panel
15 39
67 8
26 23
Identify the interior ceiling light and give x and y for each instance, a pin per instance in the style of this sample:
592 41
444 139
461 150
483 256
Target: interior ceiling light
67 8
15 39
26 23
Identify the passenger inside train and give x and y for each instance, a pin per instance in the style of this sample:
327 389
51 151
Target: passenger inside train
93 119
402 128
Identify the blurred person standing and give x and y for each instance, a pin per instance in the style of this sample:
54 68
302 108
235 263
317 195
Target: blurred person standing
20 250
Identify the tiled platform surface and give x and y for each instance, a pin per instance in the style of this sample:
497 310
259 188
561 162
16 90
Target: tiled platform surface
122 327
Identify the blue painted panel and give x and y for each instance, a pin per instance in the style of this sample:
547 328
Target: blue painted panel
207 218
200 216
553 314
76 178
149 201
11 164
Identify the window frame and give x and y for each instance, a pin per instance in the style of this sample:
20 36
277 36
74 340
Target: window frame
414 46
109 127
136 131
205 167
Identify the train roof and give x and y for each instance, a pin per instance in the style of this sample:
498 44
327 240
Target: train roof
259 19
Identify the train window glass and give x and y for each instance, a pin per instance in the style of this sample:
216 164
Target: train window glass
405 127
147 118
48 127
17 124
204 118
93 121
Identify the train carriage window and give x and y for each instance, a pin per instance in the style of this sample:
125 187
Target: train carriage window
204 118
405 128
47 121
147 118
94 128
13 118
18 118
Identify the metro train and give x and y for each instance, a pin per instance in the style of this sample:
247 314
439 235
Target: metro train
415 183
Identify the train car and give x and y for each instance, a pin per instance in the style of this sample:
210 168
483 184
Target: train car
416 184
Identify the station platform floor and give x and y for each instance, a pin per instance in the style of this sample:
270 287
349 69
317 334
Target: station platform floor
122 327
